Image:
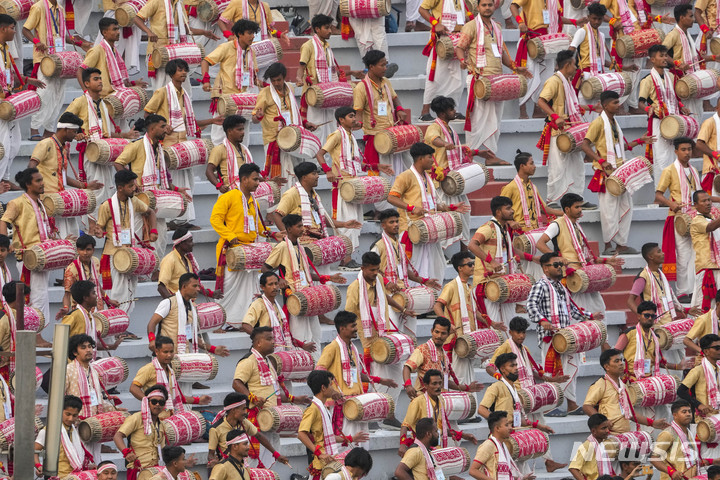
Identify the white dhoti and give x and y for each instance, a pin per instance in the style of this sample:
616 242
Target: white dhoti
615 217
464 369
185 178
323 7
448 80
399 162
485 119
370 34
123 288
104 174
412 12
82 10
428 260
67 226
346 212
685 261
10 138
632 99
353 428
505 9
128 48
570 364
454 200
697 291
287 170
592 302
532 268
541 72
265 455
663 152
324 117
573 13
53 98
39 298
307 329
239 289
393 372
160 245
566 172
500 312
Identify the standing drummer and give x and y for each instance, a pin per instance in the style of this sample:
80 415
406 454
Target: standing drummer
707 265
566 171
589 42
341 358
251 10
550 305
681 180
172 102
179 261
657 90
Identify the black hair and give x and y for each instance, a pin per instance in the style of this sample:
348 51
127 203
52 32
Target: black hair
71 401
153 119
564 57
518 324
81 289
69 117
646 305
180 232
6 20
81 243
388 213
683 140
304 168
713 472
233 434
186 277
9 290
170 454
370 259
494 418
160 388
420 149
597 9
5 241
681 10
431 373
161 340
234 397
570 199
458 258
291 219
318 379
104 23
678 404
423 427
247 169
707 340
607 355
659 48
343 318
24 177
242 26
173 66
75 341
88 72
277 69
521 158
372 57
442 104
259 330
358 457
546 257
696 194
343 112
498 202
233 121
504 358
607 96
321 20
124 177
647 248
596 420
265 276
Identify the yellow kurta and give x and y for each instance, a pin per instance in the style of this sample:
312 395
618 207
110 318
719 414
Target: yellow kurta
217 435
513 193
407 188
468 41
362 104
532 12
498 398
159 105
307 57
146 377
486 236
701 239
280 258
708 134
631 348
673 41
379 248
247 372
145 446
669 448
154 11
585 461
709 8
257 314
415 461
418 409
234 12
172 267
330 361
46 155
79 107
333 146
596 135
36 22
226 56
228 219
603 395
134 155
290 203
76 320
450 299
584 49
669 181
696 378
311 424
218 157
96 58
20 214
266 107
553 92
701 327
352 304
648 91
226 471
105 222
434 131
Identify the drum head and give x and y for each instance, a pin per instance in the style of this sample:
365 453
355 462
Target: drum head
388 7
586 88
400 299
574 283
462 347
92 152
124 260
559 343
492 291
265 420
293 305
520 244
444 48
413 232
205 10
614 187
124 18
532 49
682 88
715 46
311 97
288 139
30 259
157 58
330 468
670 128
621 46
347 191
634 394
705 431
49 204
48 66
148 198
85 431
450 185
7 111
565 141
383 143
380 351
352 410
479 89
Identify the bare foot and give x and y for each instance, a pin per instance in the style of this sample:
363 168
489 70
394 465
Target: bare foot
509 24
636 111
520 308
107 449
552 465
42 343
409 26
495 162
523 112
325 320
538 113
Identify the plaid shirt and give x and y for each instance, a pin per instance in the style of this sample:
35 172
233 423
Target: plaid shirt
539 307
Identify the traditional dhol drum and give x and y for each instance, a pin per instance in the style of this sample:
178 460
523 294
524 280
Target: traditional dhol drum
671 334
49 255
452 460
365 8
20 105
267 52
480 343
570 140
166 203
135 260
126 102
674 126
392 348
334 466
112 371
267 194
459 405
329 250
38 375
667 3
314 300
527 444
369 407
466 179
592 278
248 257
684 219
34 319
210 10
106 150
549 44
84 475
540 396
184 428
236 104
397 139
101 427
420 299
698 84
435 228
7 432
630 176
18 9
638 441
446 44
195 367
112 321
653 391
126 12
149 473
61 64
298 141
365 190
638 42
280 419
292 364
330 95
510 288
580 4
73 202
261 474
498 88
619 82
189 153
708 428
527 242
192 53
211 316
580 337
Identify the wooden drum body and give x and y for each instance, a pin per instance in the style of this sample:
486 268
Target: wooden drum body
73 202
126 102
446 44
330 95
236 104
392 348
435 228
674 126
61 64
527 242
580 337
620 82
298 142
369 407
459 405
511 288
7 432
480 343
365 9
248 257
365 190
708 428
210 10
112 371
498 88
630 176
280 419
267 194
49 255
17 9
570 140
195 367
267 52
699 84
105 151
328 250
192 53
684 219
420 299
189 153
126 12
549 44
292 364
397 139
592 278
101 427
452 460
135 260
112 321
211 316
637 43
638 441
671 335
654 391
466 179
184 428
541 396
527 444
20 105
166 203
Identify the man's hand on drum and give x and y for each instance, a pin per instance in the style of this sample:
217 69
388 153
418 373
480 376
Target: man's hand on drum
524 72
441 29
310 126
388 382
673 205
475 386
185 192
420 211
337 278
386 169
325 458
560 123
392 287
94 185
495 266
513 225
556 378
548 326
499 326
309 347
470 438
545 428
302 399
349 224
684 110
598 315
402 116
36 83
607 168
260 402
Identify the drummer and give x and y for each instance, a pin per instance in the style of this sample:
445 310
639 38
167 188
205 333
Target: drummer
85 267
589 42
302 199
341 358
81 320
251 10
10 304
550 305
51 157
566 171
256 378
347 164
368 299
681 180
492 455
702 379
417 463
172 101
707 143
49 37
657 91
671 457
707 269
228 156
703 325
118 230
593 457
180 323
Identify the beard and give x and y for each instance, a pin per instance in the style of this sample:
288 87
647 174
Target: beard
434 441
512 376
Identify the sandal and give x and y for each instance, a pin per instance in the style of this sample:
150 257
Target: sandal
556 413
36 138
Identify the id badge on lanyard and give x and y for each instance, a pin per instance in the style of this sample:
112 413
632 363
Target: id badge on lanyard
353 375
460 18
618 150
382 108
316 216
648 367
93 398
59 45
496 50
257 37
251 224
125 238
245 79
8 77
288 118
189 332
546 16
517 419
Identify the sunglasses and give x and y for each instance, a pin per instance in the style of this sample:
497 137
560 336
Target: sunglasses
469 264
157 402
649 316
556 264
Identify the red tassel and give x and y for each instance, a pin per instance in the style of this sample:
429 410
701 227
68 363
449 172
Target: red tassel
69 15
346 31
